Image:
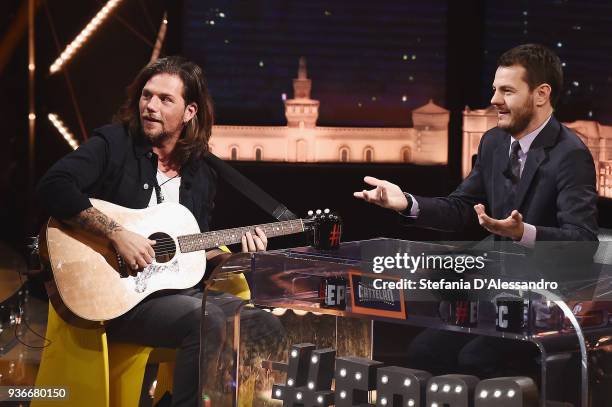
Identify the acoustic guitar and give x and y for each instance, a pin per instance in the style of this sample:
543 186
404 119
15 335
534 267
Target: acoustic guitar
91 281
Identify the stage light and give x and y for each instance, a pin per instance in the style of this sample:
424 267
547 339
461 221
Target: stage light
397 381
507 392
279 311
82 37
464 383
59 125
355 378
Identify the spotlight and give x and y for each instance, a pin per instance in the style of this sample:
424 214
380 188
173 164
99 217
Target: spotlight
80 39
59 126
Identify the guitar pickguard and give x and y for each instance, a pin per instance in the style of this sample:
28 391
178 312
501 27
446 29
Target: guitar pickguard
142 278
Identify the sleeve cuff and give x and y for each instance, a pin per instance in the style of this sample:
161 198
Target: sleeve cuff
529 236
413 212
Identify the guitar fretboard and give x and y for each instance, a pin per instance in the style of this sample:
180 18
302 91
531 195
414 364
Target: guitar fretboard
208 240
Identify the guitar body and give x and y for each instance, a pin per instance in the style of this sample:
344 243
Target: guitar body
90 280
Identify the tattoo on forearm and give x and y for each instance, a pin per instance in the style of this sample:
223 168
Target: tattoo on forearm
96 222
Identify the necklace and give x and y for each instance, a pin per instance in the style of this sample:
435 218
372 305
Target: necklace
158 192
169 179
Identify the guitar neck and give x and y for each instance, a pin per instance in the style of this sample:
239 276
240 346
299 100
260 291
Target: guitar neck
208 240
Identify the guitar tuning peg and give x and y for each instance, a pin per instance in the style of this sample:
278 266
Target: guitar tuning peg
310 213
326 210
318 212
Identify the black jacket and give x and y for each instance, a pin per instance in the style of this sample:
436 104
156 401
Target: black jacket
121 169
556 192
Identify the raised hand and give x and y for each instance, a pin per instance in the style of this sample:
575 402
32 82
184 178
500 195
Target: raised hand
384 194
511 227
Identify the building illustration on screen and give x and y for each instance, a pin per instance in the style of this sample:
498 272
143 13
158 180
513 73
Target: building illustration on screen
301 140
596 136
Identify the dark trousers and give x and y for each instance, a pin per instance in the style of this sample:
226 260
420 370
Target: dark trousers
173 321
445 352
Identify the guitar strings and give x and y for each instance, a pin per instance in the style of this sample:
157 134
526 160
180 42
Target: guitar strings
167 245
169 242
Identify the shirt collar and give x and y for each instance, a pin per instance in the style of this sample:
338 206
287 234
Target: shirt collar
526 140
142 146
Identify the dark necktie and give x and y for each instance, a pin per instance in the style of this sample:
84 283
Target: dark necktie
515 164
513 172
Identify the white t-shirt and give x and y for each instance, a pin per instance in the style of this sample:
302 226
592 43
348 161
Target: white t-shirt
169 188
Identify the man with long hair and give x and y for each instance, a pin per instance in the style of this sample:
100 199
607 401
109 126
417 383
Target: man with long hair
154 153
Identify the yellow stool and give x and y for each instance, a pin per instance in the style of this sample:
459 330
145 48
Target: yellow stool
94 372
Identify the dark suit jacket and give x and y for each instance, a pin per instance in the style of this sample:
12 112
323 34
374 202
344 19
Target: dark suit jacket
556 192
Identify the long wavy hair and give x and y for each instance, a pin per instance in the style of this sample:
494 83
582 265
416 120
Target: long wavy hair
193 141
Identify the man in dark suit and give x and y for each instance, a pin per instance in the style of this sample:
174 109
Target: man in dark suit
533 180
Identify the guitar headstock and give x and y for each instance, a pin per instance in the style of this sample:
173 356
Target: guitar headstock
326 228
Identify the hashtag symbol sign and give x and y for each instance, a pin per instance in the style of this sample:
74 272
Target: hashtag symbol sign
334 236
461 312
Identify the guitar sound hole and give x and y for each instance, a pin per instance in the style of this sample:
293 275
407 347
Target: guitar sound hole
164 247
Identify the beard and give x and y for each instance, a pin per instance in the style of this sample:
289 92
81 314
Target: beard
155 136
519 118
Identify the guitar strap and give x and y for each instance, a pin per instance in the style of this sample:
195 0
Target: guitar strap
265 202
249 189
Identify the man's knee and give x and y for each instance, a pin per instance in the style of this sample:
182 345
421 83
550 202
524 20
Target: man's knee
261 326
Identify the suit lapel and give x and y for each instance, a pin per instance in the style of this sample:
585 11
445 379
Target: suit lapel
537 153
501 158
